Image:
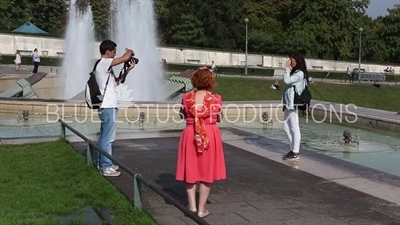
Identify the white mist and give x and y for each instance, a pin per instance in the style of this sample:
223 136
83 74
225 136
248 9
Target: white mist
78 60
133 26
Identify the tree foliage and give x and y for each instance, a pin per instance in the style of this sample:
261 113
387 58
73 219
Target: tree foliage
101 17
323 29
188 31
49 15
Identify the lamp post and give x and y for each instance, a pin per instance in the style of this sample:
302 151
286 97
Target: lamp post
245 66
359 52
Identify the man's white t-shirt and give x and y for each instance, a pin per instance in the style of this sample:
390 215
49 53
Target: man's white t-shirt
102 72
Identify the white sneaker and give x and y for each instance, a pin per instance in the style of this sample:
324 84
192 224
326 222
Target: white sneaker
114 167
110 172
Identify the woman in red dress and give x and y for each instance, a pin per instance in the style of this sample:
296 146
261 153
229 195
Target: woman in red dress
200 154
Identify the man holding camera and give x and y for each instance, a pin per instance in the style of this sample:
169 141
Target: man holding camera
108 110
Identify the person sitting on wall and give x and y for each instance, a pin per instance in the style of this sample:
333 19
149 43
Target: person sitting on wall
276 86
310 79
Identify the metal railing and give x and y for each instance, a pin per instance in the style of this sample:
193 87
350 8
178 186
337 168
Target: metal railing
138 179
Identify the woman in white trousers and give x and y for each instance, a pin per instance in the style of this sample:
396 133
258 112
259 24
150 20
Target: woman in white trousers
295 78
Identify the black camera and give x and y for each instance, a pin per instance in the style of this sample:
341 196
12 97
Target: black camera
133 59
125 69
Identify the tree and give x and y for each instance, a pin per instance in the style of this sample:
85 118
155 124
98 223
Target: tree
162 13
266 24
49 15
188 31
333 24
14 13
372 46
101 17
320 29
389 32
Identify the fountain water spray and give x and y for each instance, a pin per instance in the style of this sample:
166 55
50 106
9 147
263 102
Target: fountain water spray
78 61
133 26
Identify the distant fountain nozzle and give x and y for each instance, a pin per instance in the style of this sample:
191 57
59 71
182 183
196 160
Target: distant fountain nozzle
265 117
347 137
142 117
25 115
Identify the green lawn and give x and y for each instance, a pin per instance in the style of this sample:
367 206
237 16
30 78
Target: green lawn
248 89
44 183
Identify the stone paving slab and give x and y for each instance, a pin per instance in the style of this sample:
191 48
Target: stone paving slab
258 190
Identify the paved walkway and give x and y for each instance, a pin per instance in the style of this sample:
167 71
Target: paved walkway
259 190
9 70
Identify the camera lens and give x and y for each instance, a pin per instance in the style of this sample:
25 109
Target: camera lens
135 59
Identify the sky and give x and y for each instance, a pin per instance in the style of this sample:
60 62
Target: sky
379 7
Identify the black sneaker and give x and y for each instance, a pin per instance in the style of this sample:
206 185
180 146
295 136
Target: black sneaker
291 156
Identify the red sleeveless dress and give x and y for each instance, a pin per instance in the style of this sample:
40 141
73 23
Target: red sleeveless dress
200 151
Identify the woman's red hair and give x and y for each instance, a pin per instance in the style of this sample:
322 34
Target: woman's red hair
203 79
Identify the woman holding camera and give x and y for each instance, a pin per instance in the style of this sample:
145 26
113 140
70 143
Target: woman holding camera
295 79
200 153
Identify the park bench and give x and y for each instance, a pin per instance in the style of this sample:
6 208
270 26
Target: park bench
377 77
317 67
26 52
193 61
45 53
60 54
187 73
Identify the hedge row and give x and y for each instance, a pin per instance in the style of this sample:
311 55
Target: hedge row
27 60
344 76
332 75
234 70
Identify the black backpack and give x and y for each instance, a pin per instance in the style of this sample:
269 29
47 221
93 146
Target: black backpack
302 102
93 95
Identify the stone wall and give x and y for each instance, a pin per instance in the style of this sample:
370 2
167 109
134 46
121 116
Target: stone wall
53 46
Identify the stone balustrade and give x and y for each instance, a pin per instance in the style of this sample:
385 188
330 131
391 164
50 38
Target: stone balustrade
55 47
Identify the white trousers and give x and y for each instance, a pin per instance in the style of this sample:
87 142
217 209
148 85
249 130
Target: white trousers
292 128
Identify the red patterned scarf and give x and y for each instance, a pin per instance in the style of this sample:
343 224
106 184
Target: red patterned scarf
209 106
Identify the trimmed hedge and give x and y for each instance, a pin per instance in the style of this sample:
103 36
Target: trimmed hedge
332 75
393 78
345 77
234 70
27 60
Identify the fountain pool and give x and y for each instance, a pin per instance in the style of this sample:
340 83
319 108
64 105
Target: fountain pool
378 150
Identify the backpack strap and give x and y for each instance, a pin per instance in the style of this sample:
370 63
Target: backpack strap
109 73
95 65
305 85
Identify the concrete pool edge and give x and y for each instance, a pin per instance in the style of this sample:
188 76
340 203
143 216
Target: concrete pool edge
350 116
367 180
